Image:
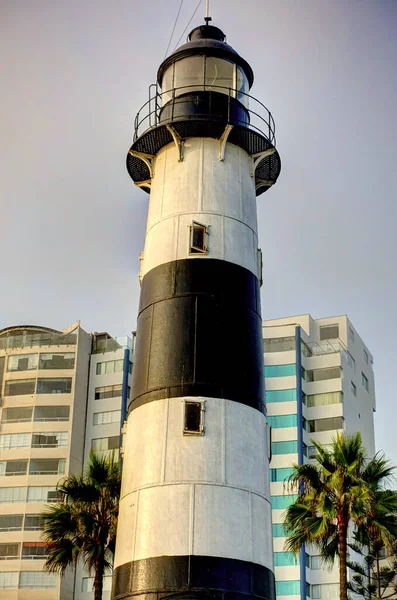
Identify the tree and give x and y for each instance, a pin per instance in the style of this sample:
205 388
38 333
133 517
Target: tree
374 538
332 493
83 526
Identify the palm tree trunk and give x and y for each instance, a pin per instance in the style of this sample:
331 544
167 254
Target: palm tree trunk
377 573
342 526
98 579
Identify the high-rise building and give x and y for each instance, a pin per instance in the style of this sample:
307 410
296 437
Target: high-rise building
62 394
319 380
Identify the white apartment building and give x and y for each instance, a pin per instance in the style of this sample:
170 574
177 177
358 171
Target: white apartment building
62 394
319 380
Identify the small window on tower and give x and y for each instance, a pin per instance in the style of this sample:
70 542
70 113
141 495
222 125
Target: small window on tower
193 417
198 238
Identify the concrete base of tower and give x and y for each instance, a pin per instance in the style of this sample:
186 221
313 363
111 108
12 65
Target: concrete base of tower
199 577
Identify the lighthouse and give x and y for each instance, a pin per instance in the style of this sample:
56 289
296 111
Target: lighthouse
195 515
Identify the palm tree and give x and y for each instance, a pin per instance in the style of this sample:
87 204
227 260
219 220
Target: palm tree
333 492
84 524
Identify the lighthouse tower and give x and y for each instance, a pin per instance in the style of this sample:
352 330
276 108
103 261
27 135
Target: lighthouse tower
195 517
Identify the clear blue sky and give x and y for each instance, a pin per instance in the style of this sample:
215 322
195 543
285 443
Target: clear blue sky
73 75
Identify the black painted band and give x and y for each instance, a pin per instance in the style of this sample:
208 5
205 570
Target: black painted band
193 577
199 334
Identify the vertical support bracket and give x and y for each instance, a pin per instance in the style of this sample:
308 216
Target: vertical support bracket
223 140
258 157
148 159
179 142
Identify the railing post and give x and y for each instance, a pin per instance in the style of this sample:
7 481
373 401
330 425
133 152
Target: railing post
228 107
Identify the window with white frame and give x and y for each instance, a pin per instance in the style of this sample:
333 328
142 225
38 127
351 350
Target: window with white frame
106 443
9 580
11 522
108 391
9 551
22 362
12 494
329 332
109 416
15 440
43 494
109 366
50 439
37 580
13 467
17 414
351 362
198 238
325 591
193 422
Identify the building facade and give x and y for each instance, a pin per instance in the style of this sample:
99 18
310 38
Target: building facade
319 381
62 394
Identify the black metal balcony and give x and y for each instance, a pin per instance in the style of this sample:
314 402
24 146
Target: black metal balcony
193 111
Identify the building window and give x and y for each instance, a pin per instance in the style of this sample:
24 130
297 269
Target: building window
56 439
110 416
364 381
285 559
15 440
198 238
47 466
106 446
12 494
13 467
287 447
277 475
283 501
351 334
329 424
353 388
108 391
314 562
325 591
54 385
287 588
279 421
366 358
278 530
324 374
324 399
33 523
22 362
43 494
11 522
18 414
57 360
193 417
34 551
87 584
51 413
280 370
9 551
279 344
312 450
351 362
329 332
19 387
37 580
9 580
110 366
280 396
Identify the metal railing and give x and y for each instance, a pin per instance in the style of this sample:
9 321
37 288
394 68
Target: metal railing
260 118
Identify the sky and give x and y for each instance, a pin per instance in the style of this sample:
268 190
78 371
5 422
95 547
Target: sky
74 73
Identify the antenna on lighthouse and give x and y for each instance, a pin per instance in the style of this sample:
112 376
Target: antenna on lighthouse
207 17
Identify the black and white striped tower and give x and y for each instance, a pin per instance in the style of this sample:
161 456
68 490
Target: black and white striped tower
195 518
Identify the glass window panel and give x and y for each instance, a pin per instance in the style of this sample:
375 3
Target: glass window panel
351 361
325 424
364 381
19 387
353 388
12 494
324 399
54 385
324 374
219 75
109 391
283 421
11 522
15 440
22 362
285 559
278 530
34 550
37 580
57 439
351 334
280 474
43 494
287 588
287 447
9 580
13 467
110 416
119 365
57 360
87 584
51 413
167 85
9 551
33 523
242 87
189 75
46 466
280 395
329 332
283 501
280 370
17 414
279 344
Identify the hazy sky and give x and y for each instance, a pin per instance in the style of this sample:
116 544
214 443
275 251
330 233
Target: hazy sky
73 75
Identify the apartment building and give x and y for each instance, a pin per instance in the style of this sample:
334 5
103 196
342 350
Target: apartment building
319 380
62 393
